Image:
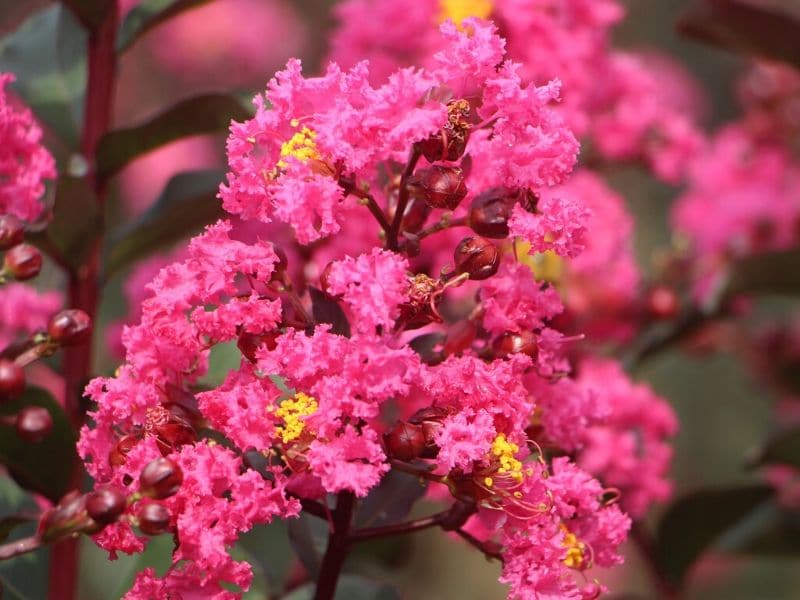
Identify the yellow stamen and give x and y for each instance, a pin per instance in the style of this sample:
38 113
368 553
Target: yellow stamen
488 481
292 410
458 10
301 146
546 266
576 549
505 452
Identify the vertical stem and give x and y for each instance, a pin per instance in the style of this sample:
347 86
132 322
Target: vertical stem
83 282
336 552
402 200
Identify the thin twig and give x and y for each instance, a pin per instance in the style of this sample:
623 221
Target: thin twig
489 549
402 200
17 547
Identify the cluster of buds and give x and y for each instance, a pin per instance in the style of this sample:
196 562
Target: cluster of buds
66 328
21 261
91 512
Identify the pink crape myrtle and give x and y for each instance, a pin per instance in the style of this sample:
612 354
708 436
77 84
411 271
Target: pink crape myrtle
310 397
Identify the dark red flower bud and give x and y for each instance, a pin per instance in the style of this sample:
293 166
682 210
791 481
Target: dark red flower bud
23 261
404 441
418 311
12 379
12 231
105 504
153 518
323 278
662 302
491 210
459 337
67 517
440 187
516 343
70 327
116 458
416 214
478 257
451 141
430 419
34 423
160 479
174 435
248 343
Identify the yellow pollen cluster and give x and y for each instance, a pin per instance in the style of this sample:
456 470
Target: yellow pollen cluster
505 451
301 145
576 549
545 266
292 410
458 10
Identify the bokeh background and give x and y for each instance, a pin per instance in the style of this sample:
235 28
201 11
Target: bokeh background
238 44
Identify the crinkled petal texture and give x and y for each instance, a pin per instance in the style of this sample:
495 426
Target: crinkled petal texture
311 409
25 164
630 449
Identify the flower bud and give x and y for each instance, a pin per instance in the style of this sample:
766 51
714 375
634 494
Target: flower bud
12 231
404 441
70 327
12 379
34 423
491 210
66 518
478 257
105 504
430 419
591 591
153 518
160 479
439 187
662 302
248 343
450 142
516 343
459 337
116 458
173 435
23 261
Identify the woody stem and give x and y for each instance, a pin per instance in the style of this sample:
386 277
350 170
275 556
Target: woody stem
402 200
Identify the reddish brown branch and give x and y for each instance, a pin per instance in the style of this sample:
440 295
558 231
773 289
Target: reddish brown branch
402 200
336 552
17 547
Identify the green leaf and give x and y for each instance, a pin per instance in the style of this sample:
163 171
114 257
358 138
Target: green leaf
768 28
47 54
45 467
783 449
769 530
89 12
327 310
768 273
76 220
692 523
223 359
350 587
270 547
193 116
391 501
8 524
308 536
147 15
188 203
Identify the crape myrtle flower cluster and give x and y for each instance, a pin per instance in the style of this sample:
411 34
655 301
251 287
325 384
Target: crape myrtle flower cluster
415 200
628 105
748 174
31 325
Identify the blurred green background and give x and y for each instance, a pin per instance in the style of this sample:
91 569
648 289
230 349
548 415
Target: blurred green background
723 413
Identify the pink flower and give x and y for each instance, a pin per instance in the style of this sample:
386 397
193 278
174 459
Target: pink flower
373 286
24 163
629 450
